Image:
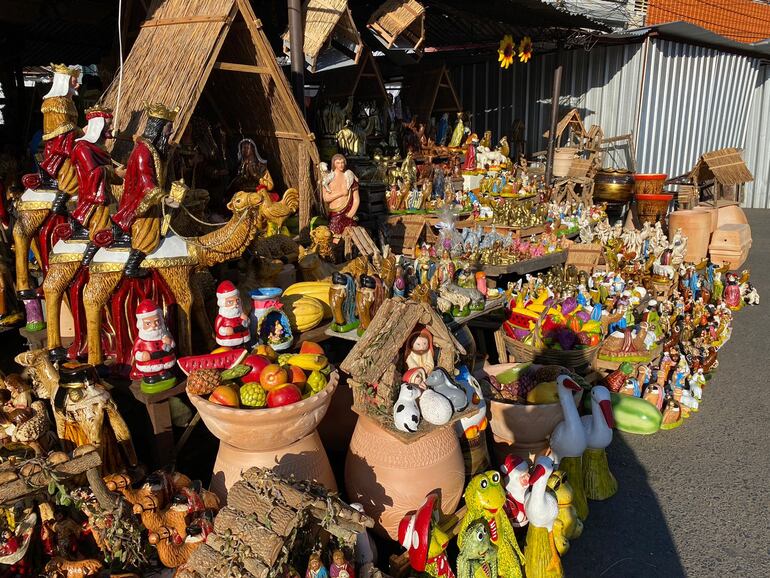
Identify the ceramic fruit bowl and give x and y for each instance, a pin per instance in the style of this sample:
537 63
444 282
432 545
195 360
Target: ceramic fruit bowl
283 438
522 429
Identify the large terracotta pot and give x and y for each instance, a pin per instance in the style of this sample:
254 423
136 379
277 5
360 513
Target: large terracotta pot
521 429
696 226
391 478
713 213
282 438
731 214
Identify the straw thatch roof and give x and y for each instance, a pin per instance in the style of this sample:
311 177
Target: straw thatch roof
216 49
725 166
400 24
362 81
429 91
331 37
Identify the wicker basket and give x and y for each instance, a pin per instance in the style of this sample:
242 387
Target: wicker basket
523 352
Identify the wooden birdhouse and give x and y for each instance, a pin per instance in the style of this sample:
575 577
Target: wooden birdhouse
721 175
399 25
377 363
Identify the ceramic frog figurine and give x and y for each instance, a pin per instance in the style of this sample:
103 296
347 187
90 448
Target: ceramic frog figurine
484 499
478 557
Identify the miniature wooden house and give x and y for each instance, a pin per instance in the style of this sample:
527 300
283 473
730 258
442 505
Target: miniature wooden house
267 522
399 25
721 175
376 364
331 38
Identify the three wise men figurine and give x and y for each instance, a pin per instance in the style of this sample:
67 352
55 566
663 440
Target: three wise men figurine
136 224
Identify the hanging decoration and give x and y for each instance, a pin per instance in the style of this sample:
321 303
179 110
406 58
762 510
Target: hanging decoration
506 52
525 49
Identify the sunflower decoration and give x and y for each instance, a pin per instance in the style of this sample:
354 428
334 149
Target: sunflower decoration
506 52
525 49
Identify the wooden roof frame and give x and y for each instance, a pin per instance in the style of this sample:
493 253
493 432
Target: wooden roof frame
439 87
338 35
726 166
344 82
395 19
217 49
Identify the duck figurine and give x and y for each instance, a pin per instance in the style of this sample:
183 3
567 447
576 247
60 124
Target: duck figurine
541 557
515 472
568 442
598 481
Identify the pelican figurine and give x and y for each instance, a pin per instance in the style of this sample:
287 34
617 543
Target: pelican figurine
598 481
541 556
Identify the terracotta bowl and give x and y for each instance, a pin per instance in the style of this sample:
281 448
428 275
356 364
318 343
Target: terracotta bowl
524 429
258 430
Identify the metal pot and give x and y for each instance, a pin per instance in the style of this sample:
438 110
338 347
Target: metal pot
614 186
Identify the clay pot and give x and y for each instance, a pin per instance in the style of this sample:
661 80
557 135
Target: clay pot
730 215
696 226
522 429
615 186
391 478
282 438
712 212
649 184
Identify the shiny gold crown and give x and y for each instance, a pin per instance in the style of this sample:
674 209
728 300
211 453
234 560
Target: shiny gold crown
64 69
157 110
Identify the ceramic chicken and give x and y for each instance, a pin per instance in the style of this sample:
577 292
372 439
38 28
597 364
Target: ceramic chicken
515 472
273 214
568 442
541 555
485 498
598 481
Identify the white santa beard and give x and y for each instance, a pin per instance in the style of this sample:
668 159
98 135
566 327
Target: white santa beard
231 312
151 334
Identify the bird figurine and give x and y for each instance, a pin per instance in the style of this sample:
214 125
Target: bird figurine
569 443
541 557
598 481
515 472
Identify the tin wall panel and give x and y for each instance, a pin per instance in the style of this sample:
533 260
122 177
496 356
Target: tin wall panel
757 151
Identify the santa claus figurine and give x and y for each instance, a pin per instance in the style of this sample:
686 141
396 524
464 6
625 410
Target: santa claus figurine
232 324
153 350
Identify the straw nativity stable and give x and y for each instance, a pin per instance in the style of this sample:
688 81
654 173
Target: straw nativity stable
216 49
399 25
429 92
722 174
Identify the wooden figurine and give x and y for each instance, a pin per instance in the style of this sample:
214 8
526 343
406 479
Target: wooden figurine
153 351
484 499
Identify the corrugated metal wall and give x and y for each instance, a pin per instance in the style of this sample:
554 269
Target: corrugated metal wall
694 100
757 152
603 84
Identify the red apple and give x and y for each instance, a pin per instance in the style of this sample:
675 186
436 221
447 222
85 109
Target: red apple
257 364
284 395
273 376
311 347
224 395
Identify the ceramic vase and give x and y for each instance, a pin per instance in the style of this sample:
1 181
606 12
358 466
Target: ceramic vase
266 309
521 429
391 478
282 438
713 214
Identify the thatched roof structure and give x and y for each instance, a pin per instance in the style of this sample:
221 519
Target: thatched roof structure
429 91
725 166
331 38
399 24
255 534
362 81
216 49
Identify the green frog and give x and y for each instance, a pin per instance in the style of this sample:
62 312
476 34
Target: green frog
478 556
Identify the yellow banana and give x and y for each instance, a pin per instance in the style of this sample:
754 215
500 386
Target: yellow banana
308 361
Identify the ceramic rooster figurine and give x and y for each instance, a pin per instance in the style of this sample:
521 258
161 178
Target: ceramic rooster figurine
515 472
568 442
598 481
541 557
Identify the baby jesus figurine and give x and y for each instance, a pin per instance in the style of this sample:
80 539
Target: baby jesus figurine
277 336
340 194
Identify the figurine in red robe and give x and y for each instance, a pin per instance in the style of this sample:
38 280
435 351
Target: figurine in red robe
137 220
95 175
153 350
231 325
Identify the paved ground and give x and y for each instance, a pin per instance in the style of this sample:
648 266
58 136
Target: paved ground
694 501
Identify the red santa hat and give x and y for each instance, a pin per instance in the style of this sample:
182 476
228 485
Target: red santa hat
511 463
147 308
226 289
414 532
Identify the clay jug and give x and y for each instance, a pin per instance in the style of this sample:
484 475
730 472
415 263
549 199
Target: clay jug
391 478
696 226
711 211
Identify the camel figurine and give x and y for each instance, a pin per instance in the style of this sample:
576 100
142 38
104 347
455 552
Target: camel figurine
175 260
80 421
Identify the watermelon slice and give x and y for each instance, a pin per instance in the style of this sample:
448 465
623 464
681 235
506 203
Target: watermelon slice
222 360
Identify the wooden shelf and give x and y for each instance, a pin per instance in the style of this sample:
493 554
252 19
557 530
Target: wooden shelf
529 266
